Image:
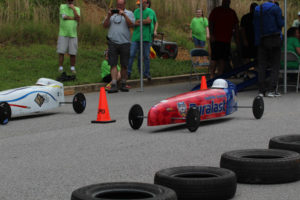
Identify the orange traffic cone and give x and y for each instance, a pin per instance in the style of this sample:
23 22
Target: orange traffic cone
103 112
203 83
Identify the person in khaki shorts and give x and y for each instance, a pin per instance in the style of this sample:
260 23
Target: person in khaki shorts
69 17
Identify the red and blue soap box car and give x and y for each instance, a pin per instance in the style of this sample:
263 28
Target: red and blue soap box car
193 107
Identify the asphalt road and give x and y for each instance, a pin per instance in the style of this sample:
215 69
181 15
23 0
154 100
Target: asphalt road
46 157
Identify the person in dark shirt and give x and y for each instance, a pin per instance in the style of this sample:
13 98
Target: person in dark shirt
268 23
247 32
223 22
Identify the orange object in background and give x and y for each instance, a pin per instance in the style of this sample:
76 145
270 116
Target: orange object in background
103 112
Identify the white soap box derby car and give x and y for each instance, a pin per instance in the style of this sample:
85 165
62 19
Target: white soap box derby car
47 94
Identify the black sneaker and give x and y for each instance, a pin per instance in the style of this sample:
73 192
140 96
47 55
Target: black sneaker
113 89
124 88
148 78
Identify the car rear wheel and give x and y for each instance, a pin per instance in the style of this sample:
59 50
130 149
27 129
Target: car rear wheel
136 116
193 119
79 103
258 107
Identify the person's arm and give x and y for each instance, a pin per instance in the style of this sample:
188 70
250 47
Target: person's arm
155 28
128 20
76 15
298 50
106 22
146 21
207 29
279 19
207 33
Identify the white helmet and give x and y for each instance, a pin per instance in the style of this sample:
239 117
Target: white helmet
47 81
220 83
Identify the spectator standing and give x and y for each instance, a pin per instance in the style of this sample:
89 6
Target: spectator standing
200 30
296 22
268 23
154 23
118 22
247 32
223 22
148 17
69 17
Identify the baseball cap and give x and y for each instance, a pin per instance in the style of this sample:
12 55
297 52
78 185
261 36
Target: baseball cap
299 13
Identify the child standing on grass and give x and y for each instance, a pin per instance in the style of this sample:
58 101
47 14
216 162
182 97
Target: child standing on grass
69 17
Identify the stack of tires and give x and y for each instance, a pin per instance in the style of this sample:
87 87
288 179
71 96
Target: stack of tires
192 182
278 164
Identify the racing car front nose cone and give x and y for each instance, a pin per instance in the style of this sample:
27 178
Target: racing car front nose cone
158 116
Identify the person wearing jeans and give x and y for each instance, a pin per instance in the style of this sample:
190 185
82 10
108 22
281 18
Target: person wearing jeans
147 39
134 48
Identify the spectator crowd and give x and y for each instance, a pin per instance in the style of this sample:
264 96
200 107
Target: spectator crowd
258 37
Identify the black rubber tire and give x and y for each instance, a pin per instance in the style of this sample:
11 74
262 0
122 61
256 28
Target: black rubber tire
79 103
5 113
193 119
196 182
258 107
287 142
262 166
136 116
123 190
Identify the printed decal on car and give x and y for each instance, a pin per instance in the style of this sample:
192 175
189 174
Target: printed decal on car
39 100
181 108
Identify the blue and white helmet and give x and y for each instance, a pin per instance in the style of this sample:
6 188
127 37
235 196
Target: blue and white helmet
219 84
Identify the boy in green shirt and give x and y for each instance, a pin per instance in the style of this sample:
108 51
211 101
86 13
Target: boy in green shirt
106 72
69 17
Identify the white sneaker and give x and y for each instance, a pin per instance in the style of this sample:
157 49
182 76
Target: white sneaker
60 69
73 70
277 94
273 94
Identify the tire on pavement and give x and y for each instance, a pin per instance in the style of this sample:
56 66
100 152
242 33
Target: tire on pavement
196 182
262 166
287 142
123 190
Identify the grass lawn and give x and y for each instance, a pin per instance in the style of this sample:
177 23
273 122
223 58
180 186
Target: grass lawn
23 65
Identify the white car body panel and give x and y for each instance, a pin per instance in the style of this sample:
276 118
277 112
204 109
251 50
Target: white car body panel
33 99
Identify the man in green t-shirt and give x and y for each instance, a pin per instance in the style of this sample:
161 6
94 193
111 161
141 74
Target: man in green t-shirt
69 17
147 39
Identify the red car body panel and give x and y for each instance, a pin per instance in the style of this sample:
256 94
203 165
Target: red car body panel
212 103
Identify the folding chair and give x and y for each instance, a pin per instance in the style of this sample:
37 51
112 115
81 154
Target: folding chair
198 52
292 57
